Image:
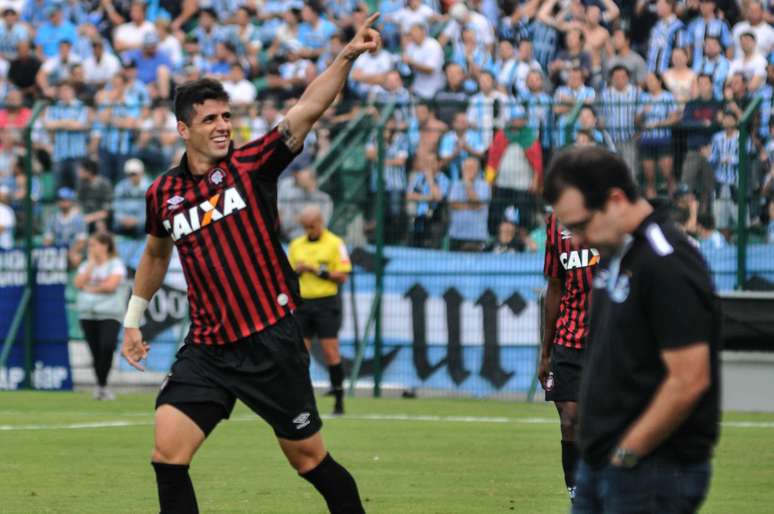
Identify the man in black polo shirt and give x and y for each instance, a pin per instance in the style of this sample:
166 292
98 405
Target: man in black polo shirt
648 405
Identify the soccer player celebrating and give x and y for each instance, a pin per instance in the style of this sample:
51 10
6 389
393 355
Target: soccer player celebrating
218 207
568 268
322 263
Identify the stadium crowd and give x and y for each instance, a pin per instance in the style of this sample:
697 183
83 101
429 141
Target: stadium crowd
485 91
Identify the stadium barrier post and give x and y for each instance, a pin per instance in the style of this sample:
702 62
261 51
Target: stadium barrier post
572 118
742 193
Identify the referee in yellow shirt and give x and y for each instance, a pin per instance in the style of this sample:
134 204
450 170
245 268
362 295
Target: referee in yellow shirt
321 262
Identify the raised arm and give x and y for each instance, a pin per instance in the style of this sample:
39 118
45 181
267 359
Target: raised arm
319 95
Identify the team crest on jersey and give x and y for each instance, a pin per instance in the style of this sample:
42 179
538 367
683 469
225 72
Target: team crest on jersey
579 258
175 202
216 208
216 176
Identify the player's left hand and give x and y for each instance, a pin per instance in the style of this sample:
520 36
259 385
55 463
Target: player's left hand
367 39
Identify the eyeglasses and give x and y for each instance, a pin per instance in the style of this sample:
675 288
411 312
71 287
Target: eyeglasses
580 225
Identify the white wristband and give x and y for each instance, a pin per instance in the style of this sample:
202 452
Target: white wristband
134 311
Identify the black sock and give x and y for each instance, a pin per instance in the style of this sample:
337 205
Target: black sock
569 461
336 485
336 373
176 492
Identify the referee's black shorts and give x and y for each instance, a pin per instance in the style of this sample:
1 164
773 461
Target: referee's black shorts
268 371
563 381
320 317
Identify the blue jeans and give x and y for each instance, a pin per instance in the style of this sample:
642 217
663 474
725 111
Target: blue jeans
654 486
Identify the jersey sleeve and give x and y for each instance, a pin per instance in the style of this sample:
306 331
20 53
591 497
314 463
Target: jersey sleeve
342 262
266 157
153 225
551 268
675 280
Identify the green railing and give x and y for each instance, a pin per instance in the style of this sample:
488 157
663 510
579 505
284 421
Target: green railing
744 171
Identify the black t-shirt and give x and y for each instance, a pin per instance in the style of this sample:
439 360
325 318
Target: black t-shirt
658 296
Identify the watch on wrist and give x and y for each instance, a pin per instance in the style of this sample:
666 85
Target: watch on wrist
627 458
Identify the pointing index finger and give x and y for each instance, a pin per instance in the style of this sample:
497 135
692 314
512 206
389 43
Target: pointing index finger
370 20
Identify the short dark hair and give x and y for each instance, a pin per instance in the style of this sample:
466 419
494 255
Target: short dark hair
620 67
594 171
89 165
706 220
194 93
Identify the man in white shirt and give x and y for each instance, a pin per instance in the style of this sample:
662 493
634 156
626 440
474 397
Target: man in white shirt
764 34
241 90
425 58
101 66
369 71
750 62
412 13
129 36
464 18
7 219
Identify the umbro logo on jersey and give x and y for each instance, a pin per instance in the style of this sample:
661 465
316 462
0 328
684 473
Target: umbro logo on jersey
302 420
579 259
175 202
214 209
566 234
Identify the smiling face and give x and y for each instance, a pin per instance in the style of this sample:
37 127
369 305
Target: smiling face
209 133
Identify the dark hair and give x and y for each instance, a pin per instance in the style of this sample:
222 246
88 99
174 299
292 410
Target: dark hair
106 238
593 170
620 67
194 93
89 165
706 220
210 11
704 75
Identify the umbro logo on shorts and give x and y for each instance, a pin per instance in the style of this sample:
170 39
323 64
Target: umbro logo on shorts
302 420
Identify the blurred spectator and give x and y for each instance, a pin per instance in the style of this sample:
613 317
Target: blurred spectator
14 115
412 13
425 197
315 31
714 64
246 36
700 121
286 37
291 78
506 67
724 158
7 219
507 240
296 193
396 151
100 67
335 45
565 99
571 58
130 35
619 103
754 23
597 36
736 95
623 55
709 237
749 62
666 34
101 304
687 204
767 194
154 68
52 32
11 33
57 69
129 200
68 120
424 134
680 79
514 26
136 94
656 116
537 104
24 69
461 18
472 57
209 32
95 195
453 97
587 121
113 132
158 138
240 90
369 72
707 25
544 36
458 144
424 57
526 63
486 109
468 205
219 64
67 227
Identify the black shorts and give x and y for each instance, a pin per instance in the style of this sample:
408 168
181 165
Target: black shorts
563 382
320 317
268 371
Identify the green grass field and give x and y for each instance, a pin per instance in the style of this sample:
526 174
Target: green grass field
65 453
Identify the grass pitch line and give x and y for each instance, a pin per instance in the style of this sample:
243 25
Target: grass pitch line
355 417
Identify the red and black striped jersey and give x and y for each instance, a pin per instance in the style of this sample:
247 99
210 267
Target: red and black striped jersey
225 227
573 265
